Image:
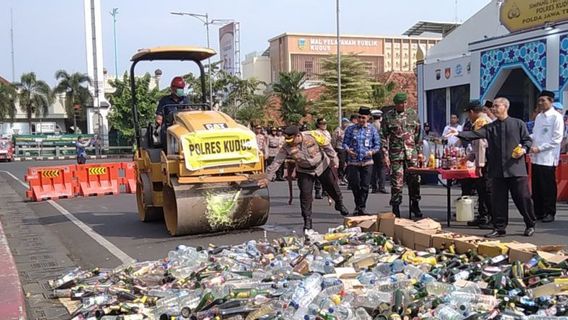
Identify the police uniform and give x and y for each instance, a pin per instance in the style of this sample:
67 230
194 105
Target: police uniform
314 158
402 144
275 142
317 184
262 142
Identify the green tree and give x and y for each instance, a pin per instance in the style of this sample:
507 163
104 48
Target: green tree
7 101
380 92
34 96
355 85
253 109
74 86
120 116
289 90
237 93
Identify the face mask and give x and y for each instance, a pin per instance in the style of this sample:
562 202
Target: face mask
180 93
289 140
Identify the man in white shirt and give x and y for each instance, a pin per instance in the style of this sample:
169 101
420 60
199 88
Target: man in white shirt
547 136
454 123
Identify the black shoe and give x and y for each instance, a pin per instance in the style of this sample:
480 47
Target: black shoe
307 223
374 190
415 209
496 234
342 210
548 218
473 223
529 232
280 179
396 210
383 190
318 195
356 212
362 212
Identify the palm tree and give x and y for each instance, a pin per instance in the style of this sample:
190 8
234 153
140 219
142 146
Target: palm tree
380 93
289 90
74 86
7 101
34 96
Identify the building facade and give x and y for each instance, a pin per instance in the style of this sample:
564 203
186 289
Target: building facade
256 66
305 52
508 49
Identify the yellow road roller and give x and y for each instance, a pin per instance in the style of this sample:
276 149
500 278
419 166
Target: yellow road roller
203 175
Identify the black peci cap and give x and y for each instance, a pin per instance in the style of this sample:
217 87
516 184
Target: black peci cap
366 111
546 93
474 105
292 130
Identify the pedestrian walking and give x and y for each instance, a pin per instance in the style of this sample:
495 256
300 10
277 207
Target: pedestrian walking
547 136
378 175
80 145
402 148
337 143
478 119
314 158
361 142
275 142
508 141
321 128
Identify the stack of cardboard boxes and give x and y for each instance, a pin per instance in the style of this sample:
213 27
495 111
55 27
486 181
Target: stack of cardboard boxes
427 233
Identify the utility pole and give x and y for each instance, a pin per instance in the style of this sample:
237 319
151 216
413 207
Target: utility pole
205 19
338 65
12 44
114 13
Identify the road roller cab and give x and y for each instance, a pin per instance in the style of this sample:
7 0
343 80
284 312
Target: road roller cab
204 176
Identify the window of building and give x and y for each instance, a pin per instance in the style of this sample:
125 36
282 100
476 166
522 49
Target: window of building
309 67
436 109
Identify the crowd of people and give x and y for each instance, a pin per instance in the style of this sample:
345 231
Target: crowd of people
359 152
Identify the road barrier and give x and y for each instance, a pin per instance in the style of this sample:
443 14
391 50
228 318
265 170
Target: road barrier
50 183
68 181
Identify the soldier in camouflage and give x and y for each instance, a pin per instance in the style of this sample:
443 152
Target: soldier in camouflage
402 148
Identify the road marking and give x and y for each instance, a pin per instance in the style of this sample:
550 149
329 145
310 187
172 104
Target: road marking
121 255
114 250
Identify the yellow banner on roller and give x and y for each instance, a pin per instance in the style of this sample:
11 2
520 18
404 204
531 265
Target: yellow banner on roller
212 148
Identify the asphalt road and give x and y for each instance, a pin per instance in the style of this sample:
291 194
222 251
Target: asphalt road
115 219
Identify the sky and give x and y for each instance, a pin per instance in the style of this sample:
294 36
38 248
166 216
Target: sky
49 34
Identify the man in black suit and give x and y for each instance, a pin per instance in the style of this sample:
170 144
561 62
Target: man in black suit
509 141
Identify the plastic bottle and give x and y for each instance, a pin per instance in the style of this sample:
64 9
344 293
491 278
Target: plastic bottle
439 288
322 266
368 278
444 312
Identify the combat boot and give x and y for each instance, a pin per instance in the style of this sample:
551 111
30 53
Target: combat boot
396 210
342 210
319 195
415 209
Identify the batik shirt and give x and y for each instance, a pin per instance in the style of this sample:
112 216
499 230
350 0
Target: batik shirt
361 140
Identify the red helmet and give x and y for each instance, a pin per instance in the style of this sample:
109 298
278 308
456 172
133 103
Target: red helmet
177 82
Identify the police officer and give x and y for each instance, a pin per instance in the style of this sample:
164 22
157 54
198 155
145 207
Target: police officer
261 141
321 128
314 158
275 142
402 148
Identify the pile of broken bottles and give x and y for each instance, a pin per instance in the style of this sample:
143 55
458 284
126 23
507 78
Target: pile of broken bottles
344 274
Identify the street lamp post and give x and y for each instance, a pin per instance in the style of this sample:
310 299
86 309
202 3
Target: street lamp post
205 19
114 13
338 65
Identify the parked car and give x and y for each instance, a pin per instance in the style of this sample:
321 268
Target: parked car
6 150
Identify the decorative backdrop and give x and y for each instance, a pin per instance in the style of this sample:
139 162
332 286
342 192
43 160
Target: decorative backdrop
563 61
530 56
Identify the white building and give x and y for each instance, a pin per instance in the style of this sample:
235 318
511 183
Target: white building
513 49
257 66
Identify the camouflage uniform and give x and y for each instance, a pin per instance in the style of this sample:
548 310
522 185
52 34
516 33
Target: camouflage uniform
402 143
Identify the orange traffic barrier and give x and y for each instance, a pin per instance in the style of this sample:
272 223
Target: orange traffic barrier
562 178
129 179
97 178
50 183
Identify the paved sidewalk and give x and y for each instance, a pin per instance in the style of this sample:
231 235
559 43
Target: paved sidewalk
38 254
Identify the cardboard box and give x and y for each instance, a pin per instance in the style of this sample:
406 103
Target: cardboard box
492 248
554 254
399 224
522 252
428 224
442 241
366 223
386 223
413 236
466 244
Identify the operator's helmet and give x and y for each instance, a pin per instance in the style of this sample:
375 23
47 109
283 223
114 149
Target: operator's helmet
177 82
